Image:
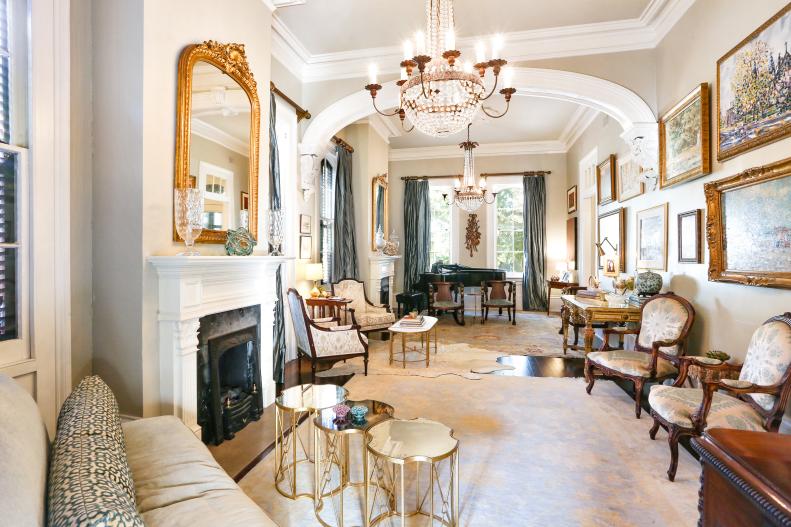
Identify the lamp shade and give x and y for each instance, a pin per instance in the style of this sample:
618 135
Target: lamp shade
314 271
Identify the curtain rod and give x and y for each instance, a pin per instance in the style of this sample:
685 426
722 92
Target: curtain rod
302 113
494 174
343 144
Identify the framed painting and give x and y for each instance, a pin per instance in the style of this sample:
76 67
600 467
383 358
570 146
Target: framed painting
652 238
612 239
304 224
305 247
605 180
753 105
689 246
630 179
244 200
571 199
748 226
684 149
571 243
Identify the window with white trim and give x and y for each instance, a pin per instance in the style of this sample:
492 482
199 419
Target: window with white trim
509 230
441 227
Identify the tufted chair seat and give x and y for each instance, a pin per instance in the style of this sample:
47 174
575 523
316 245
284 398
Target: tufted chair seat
365 314
665 322
756 401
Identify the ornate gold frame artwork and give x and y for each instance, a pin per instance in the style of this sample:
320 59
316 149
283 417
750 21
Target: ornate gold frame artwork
605 179
684 149
748 226
379 207
216 142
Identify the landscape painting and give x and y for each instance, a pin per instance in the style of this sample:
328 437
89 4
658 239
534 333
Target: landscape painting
754 89
652 238
630 179
684 139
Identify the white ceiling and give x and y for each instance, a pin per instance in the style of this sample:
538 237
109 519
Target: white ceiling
324 26
529 119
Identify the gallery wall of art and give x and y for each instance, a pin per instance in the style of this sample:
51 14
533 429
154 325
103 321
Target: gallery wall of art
727 313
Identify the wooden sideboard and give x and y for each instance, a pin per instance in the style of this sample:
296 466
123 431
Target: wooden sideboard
746 478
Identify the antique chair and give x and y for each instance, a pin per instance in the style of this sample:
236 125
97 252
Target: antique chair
364 313
502 296
324 344
447 296
756 401
575 321
665 322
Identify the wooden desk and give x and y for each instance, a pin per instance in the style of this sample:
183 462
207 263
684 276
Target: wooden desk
556 284
333 306
591 312
746 478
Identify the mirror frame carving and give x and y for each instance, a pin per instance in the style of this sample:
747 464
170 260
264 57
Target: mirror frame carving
379 181
231 60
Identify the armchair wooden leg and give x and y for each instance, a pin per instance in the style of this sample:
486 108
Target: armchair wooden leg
576 335
313 372
299 367
589 376
513 317
365 361
672 441
638 397
654 429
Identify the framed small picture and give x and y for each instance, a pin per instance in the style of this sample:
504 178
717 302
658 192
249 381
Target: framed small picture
684 152
612 238
305 247
611 265
689 246
244 200
652 238
304 224
630 182
605 180
571 199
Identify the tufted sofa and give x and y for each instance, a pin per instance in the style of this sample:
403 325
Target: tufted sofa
151 471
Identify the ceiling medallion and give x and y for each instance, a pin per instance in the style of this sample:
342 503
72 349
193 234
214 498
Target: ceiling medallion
469 193
440 93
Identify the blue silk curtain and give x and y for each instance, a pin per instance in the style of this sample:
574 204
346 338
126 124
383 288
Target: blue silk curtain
417 230
344 264
534 293
279 332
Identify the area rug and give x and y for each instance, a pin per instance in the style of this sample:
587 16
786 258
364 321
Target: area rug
533 451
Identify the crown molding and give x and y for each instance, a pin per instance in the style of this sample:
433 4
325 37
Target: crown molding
274 4
578 123
644 32
215 135
484 150
383 126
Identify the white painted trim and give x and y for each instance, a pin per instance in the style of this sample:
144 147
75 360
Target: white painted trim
381 125
579 122
644 32
484 150
215 135
274 4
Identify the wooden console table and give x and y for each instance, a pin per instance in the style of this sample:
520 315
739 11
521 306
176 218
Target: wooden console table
746 478
556 284
329 307
589 312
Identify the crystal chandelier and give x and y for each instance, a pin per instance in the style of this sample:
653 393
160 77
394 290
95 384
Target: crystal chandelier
469 194
440 93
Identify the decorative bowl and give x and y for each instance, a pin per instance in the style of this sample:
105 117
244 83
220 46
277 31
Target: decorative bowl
340 410
358 413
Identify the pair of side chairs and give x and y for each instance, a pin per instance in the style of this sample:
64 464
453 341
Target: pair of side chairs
449 297
752 396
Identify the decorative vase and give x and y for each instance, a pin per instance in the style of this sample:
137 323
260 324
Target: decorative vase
379 241
395 239
648 283
275 219
358 414
188 207
240 242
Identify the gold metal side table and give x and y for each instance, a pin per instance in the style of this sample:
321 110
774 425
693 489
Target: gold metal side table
332 437
291 407
397 451
429 324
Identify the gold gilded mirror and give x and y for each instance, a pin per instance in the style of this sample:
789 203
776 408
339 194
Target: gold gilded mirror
378 207
218 123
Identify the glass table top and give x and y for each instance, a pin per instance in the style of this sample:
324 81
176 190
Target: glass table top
311 397
422 438
378 411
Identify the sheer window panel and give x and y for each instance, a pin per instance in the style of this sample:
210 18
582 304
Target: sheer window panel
440 247
509 230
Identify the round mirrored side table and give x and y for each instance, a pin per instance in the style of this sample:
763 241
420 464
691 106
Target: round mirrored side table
291 407
335 462
398 455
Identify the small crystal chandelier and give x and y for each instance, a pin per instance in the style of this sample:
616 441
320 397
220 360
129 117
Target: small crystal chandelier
443 95
469 194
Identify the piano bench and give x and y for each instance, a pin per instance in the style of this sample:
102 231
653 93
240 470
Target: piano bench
410 301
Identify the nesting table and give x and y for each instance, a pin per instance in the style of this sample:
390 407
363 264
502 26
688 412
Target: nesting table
425 337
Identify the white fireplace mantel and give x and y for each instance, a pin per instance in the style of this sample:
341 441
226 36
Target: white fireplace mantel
191 287
381 266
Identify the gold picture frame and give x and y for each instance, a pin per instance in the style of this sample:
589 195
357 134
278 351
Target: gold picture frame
652 238
689 118
571 200
769 244
605 180
379 197
614 219
629 171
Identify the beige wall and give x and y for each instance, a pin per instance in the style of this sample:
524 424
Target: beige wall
136 51
727 314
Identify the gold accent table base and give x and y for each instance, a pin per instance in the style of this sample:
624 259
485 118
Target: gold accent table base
425 338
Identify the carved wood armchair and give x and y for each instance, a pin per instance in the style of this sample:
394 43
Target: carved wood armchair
447 296
665 322
364 313
499 294
756 401
325 341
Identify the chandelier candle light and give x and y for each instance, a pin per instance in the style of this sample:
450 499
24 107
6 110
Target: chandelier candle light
440 93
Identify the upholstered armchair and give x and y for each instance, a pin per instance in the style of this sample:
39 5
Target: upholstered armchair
447 296
325 341
364 313
756 401
498 294
661 342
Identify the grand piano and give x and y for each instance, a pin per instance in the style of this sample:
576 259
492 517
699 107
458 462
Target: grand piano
469 276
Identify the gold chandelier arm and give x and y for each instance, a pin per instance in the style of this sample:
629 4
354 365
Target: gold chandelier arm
496 79
494 116
383 113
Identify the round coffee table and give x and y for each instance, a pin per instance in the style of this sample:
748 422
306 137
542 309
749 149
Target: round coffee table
425 335
332 437
290 408
395 445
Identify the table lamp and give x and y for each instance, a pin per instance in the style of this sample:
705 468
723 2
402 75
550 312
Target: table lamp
315 272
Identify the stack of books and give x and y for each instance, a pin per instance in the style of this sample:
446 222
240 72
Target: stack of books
587 293
412 322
